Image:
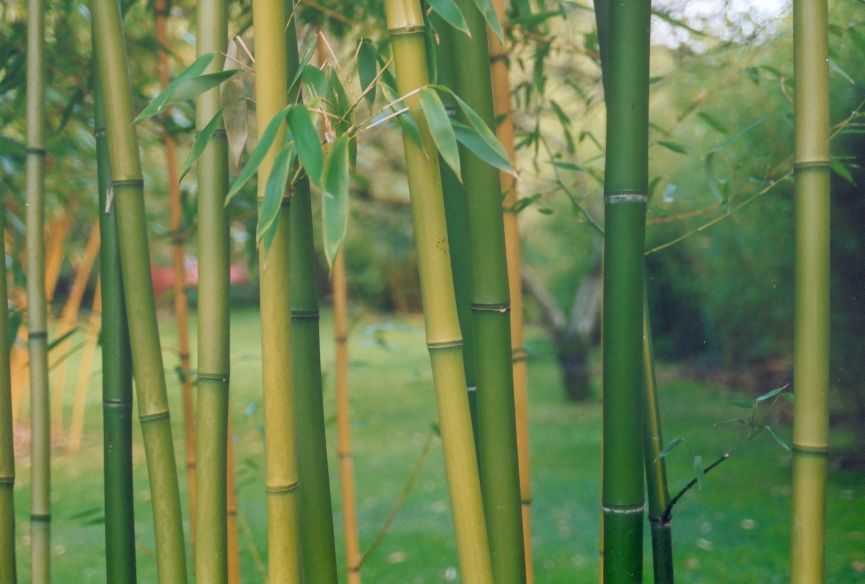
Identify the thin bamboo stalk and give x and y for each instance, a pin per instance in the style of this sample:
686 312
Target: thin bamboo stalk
490 300
506 134
269 21
181 300
625 186
316 514
343 421
231 512
211 541
128 207
405 24
116 379
85 372
40 441
7 447
811 338
68 321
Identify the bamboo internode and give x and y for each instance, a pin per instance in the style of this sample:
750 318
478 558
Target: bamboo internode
7 451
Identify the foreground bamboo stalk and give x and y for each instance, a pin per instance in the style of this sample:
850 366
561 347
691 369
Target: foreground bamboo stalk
811 339
85 372
211 540
116 380
40 426
343 420
490 301
128 206
506 134
269 21
625 186
405 25
181 300
7 447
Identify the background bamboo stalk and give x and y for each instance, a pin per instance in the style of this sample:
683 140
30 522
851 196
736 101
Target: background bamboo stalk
506 134
7 446
231 511
85 371
269 21
40 441
128 207
497 442
405 25
811 329
181 300
343 420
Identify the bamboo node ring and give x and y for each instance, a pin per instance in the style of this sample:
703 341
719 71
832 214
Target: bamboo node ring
9 481
154 417
444 344
624 509
407 29
613 198
277 490
501 308
305 314
222 377
40 517
37 335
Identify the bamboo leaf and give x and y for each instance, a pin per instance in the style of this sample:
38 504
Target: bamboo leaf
194 87
159 103
699 471
307 53
777 438
486 135
714 184
251 167
367 68
674 146
712 122
307 141
671 445
315 80
489 14
567 166
274 193
334 205
744 404
451 14
770 394
201 140
480 147
841 170
440 127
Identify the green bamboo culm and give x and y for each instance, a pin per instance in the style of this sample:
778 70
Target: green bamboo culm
116 380
660 520
40 442
406 27
316 512
211 424
490 305
625 187
7 453
811 337
127 203
457 223
283 530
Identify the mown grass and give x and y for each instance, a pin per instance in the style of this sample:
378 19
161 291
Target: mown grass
733 530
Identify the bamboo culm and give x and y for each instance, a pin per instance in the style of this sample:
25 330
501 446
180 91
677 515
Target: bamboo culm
128 208
406 27
211 440
811 328
490 303
625 187
116 381
7 451
40 421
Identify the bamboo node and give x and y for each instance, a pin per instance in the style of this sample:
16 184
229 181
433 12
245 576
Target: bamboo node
501 308
624 509
811 164
497 57
116 404
625 197
99 132
305 314
444 344
37 335
471 388
7 481
279 489
127 182
144 419
220 132
40 518
813 450
406 29
222 377
36 151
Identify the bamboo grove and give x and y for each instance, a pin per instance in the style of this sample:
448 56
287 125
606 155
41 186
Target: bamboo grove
438 75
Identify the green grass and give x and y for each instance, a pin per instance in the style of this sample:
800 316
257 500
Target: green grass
734 530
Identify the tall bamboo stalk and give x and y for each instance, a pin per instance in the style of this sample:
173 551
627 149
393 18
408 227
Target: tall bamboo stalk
181 300
811 350
406 26
231 511
128 206
7 450
625 186
316 514
269 21
211 541
490 300
506 133
40 426
116 380
85 372
343 420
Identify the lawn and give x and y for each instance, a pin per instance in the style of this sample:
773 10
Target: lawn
734 530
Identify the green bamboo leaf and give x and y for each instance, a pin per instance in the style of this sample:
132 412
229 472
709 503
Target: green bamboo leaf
699 471
406 120
489 14
671 445
334 205
485 134
307 141
714 184
480 147
307 53
744 404
201 140
770 394
367 68
712 122
158 104
440 127
567 165
841 170
315 80
274 192
251 167
674 146
777 438
451 14
195 86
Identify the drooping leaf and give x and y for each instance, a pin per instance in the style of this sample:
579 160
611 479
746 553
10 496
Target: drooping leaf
439 124
451 14
258 153
486 135
201 140
699 471
367 68
315 80
274 193
159 103
744 404
197 85
307 141
770 394
489 14
470 139
334 205
671 445
777 438
712 122
674 146
841 170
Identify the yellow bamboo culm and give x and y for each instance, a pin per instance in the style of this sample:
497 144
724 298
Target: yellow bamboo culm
343 421
68 321
85 372
505 133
